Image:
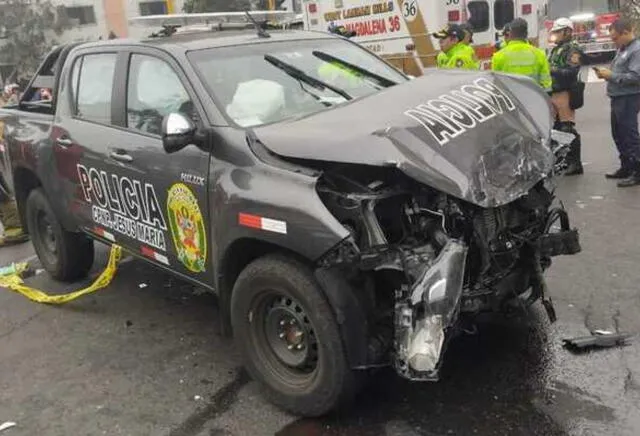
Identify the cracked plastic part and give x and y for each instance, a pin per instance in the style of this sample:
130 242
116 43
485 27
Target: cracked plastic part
427 311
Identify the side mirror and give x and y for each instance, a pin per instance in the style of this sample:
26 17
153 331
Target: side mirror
178 131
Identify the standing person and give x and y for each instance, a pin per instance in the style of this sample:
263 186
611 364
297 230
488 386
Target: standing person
565 60
520 57
10 94
623 88
9 216
501 38
468 41
455 53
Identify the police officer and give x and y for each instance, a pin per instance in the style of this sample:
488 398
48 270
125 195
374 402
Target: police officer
455 54
501 38
565 60
623 88
520 57
468 41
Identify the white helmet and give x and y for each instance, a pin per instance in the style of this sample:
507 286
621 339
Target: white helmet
561 24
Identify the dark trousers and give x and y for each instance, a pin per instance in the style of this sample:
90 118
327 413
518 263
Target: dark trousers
624 129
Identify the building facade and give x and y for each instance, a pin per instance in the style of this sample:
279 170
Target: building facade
94 19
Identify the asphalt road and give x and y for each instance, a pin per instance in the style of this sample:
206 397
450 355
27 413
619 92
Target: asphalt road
145 356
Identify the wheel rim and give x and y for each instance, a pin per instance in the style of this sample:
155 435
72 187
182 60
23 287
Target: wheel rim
47 237
284 338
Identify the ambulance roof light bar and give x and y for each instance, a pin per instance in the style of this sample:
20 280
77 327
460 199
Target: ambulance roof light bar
209 18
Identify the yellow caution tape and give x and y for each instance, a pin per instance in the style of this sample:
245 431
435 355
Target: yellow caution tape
15 282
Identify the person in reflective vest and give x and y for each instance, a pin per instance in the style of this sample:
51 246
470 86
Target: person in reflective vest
565 60
520 57
455 53
468 42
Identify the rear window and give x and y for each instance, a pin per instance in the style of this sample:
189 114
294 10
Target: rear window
479 17
253 91
92 80
503 13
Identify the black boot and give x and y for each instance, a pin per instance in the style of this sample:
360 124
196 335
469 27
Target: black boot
574 156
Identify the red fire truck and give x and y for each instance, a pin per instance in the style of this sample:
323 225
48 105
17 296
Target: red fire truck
591 19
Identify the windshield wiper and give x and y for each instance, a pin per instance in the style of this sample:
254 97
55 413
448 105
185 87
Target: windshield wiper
331 59
301 75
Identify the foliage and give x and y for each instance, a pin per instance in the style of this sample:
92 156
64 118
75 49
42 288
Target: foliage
631 9
28 33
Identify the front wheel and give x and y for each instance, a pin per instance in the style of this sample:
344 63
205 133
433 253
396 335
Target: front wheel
289 338
66 256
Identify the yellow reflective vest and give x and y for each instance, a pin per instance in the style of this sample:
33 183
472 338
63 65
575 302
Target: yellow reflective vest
520 57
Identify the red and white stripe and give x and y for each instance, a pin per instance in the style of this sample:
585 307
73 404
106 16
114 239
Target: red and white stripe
262 223
154 255
104 234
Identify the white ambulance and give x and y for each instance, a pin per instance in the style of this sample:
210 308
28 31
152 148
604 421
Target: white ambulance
400 30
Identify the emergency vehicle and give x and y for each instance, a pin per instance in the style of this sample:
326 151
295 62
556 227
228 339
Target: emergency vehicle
591 22
400 31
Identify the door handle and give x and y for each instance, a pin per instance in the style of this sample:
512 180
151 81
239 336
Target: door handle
121 156
64 142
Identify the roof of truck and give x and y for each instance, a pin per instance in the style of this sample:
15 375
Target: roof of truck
213 39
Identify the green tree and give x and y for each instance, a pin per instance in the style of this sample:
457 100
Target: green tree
217 5
631 9
27 33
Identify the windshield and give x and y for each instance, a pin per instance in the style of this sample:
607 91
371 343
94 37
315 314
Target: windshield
568 8
270 82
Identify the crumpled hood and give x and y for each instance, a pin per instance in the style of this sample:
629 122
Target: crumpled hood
479 136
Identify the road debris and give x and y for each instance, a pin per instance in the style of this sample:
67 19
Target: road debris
7 425
598 339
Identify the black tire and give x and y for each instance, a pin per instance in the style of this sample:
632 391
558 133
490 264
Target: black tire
278 285
66 256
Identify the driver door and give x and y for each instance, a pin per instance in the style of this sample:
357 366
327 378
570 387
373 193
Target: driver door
172 207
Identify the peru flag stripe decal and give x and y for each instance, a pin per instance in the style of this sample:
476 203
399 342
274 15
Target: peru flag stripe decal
151 254
103 233
258 222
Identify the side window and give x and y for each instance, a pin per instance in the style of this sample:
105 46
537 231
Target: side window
503 13
154 90
479 15
95 84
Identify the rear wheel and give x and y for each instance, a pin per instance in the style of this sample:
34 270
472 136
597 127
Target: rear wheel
288 335
66 256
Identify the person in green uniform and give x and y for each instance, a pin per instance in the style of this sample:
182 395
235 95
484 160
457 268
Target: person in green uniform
520 57
442 59
455 53
565 60
468 42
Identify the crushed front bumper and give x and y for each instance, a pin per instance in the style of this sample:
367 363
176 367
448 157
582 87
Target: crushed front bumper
427 311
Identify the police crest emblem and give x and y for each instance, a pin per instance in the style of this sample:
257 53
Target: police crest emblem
187 227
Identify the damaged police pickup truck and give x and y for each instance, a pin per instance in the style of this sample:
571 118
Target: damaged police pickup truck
347 216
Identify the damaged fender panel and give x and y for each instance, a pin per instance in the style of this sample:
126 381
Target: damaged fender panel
426 311
481 137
